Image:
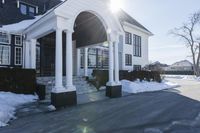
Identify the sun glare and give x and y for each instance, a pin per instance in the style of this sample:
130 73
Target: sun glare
115 5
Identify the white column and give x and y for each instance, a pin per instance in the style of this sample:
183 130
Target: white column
27 55
69 66
111 81
116 44
58 64
78 61
33 53
86 62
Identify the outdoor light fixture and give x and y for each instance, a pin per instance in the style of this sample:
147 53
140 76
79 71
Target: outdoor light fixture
115 5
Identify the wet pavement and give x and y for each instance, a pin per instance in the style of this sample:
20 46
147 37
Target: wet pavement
175 111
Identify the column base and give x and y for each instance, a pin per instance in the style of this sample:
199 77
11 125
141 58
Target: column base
114 91
64 99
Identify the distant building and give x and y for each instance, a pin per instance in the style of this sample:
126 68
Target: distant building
183 65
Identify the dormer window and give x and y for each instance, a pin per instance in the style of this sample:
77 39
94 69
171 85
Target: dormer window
23 9
26 9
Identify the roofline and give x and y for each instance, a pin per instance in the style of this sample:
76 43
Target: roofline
44 15
137 28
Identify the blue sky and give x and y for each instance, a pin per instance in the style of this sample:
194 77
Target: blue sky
160 16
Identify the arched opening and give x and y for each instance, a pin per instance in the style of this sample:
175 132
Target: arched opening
88 30
90 34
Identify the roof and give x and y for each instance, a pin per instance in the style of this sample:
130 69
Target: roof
53 4
125 17
9 13
182 63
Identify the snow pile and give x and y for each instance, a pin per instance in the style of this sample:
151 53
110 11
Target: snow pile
187 77
9 102
19 27
144 86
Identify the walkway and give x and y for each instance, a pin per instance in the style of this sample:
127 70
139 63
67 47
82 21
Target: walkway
164 111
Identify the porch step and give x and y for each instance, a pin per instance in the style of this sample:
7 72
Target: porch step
81 84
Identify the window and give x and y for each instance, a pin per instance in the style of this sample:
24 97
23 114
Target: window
4 38
92 57
137 67
105 58
38 59
23 9
82 57
31 11
18 40
128 60
128 38
18 56
97 58
4 55
137 49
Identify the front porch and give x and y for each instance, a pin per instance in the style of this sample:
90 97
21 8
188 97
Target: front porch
80 27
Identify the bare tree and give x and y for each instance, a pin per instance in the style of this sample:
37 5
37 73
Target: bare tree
190 34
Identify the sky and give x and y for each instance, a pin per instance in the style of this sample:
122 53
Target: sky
161 16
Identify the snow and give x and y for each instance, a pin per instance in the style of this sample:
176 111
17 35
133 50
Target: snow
144 86
185 77
8 104
19 27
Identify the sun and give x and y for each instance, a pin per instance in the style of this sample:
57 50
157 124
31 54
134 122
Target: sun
115 5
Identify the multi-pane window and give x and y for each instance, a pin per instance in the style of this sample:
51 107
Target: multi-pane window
82 57
38 58
27 9
128 60
4 38
137 67
105 58
128 38
18 40
137 48
97 58
18 56
23 9
4 55
92 57
31 11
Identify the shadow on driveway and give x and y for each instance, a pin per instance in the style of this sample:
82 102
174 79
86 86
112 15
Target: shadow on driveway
146 112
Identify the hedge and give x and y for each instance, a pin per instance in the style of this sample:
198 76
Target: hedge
17 80
101 77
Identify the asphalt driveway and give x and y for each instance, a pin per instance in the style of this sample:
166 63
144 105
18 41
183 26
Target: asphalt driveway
164 111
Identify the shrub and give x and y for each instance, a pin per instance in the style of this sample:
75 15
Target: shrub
101 76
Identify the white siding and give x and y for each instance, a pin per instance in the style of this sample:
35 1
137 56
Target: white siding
128 49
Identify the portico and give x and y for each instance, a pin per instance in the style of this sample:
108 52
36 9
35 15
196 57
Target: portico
71 23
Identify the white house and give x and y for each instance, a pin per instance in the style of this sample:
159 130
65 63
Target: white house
73 37
183 65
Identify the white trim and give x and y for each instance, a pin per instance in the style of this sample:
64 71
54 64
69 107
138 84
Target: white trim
20 40
3 1
8 54
137 28
18 4
15 56
36 11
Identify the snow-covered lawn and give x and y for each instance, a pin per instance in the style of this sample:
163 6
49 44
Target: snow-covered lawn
8 104
144 86
187 77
